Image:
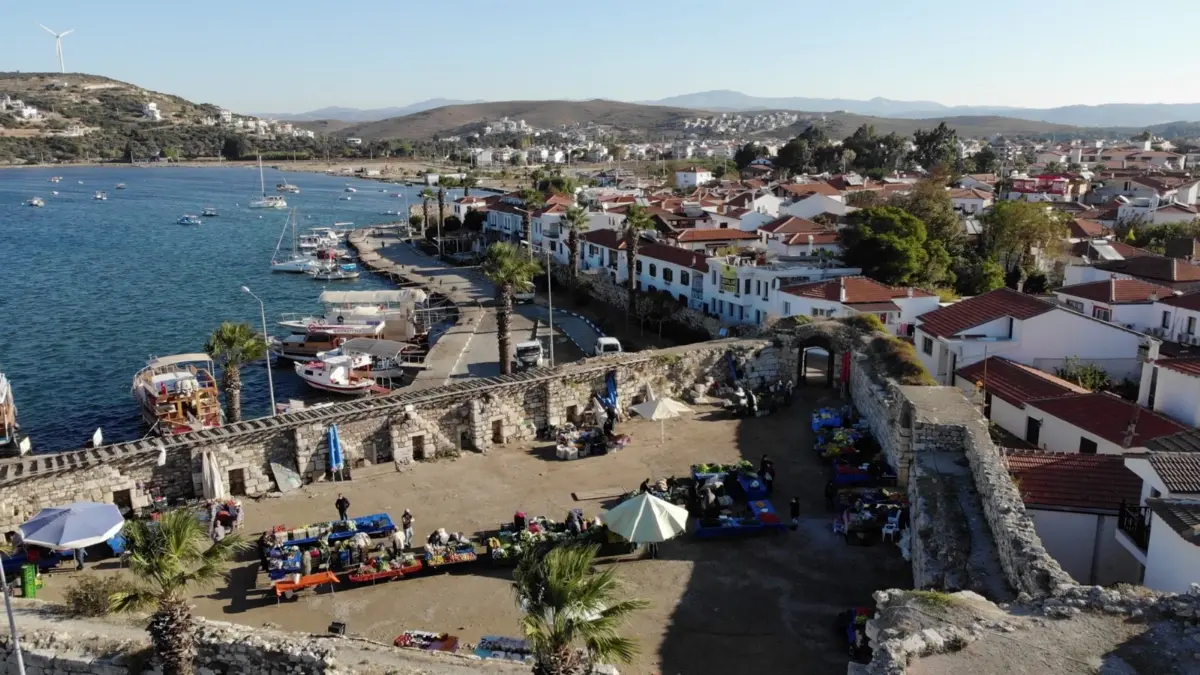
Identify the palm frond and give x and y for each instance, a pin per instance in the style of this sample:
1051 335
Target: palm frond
133 601
235 344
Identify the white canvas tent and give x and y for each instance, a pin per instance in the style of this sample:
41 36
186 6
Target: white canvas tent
660 410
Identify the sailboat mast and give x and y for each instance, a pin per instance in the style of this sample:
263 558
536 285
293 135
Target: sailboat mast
261 185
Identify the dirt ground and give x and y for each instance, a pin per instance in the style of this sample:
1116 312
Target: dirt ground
755 606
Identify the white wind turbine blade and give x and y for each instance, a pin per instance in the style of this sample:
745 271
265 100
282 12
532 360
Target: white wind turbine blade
66 33
48 30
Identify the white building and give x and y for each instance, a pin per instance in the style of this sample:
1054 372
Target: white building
1027 330
1162 531
971 200
353 141
151 112
692 177
896 308
1075 503
793 236
1129 302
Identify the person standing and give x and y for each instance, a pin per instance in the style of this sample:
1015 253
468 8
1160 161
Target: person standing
80 554
794 505
343 506
264 545
406 521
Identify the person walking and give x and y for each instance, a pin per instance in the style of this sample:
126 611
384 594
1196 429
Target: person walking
343 506
795 508
406 521
80 554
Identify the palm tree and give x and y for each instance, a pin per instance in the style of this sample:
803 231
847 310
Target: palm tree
171 558
509 271
426 195
469 181
232 346
441 197
569 604
575 221
637 221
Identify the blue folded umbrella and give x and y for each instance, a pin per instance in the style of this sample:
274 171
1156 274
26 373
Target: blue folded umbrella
77 525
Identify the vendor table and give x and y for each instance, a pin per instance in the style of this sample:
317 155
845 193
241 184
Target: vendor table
764 519
377 525
748 485
503 648
462 555
397 573
305 582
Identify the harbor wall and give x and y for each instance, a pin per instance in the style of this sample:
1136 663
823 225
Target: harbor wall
394 430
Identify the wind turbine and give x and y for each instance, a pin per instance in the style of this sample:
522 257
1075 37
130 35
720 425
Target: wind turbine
58 46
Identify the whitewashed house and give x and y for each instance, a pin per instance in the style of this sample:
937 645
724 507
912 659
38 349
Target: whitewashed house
844 296
1027 330
1162 530
971 200
1075 504
692 177
1129 302
792 236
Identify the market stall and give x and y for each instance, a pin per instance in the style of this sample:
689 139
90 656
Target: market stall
289 587
504 648
760 519
424 640
743 473
334 545
386 568
573 442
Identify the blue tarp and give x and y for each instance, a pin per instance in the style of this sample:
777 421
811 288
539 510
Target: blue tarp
609 398
336 459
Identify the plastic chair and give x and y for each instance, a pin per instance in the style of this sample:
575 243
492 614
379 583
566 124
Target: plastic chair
892 527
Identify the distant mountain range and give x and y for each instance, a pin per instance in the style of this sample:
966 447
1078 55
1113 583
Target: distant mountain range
359 115
1105 115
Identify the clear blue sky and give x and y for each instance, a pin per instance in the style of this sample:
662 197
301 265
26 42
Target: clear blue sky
297 55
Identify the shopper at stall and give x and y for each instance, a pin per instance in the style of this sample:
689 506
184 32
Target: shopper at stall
406 521
794 505
264 545
218 532
399 543
80 554
768 476
343 507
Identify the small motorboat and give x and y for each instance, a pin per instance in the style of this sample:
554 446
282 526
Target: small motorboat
36 201
336 374
100 196
397 195
54 192
349 189
188 219
327 272
345 198
120 186
390 213
209 212
55 179
287 187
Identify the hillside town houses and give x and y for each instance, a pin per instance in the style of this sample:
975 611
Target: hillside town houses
1120 464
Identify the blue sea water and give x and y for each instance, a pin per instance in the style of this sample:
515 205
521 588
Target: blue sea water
89 290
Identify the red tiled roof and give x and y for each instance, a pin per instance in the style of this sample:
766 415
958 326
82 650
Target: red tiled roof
1108 417
1016 383
858 290
1083 248
1181 515
675 256
1188 365
1179 471
971 193
801 238
793 225
1154 267
953 319
1118 291
1186 301
693 235
807 189
606 238
1081 228
1073 482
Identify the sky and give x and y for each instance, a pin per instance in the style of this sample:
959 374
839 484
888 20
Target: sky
299 55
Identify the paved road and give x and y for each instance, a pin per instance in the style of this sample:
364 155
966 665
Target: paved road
471 348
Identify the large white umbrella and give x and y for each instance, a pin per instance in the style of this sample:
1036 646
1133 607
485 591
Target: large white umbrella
660 410
77 525
646 519
214 488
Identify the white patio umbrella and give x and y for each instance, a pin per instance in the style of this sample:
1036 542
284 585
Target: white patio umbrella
660 410
214 488
77 525
646 519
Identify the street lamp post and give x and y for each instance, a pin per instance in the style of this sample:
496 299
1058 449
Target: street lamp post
12 622
550 303
270 378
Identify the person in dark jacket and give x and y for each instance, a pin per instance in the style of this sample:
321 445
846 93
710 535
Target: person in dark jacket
343 506
794 505
830 496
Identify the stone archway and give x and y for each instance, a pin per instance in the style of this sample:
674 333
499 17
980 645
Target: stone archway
805 362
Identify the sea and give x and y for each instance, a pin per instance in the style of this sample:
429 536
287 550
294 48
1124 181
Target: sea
90 290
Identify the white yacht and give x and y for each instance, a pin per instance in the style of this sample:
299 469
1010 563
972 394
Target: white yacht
298 262
266 202
349 189
56 179
395 310
8 414
209 212
189 219
287 187
388 358
328 271
100 196
36 201
120 186
337 374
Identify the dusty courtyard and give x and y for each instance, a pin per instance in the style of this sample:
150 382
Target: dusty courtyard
762 605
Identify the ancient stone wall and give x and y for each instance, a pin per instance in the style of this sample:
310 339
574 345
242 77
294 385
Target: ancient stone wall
391 430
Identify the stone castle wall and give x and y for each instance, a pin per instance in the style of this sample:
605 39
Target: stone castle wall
396 429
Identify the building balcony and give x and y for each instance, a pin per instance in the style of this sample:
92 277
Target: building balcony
1133 530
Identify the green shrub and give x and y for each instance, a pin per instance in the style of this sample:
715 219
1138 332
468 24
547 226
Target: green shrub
90 595
901 361
868 323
